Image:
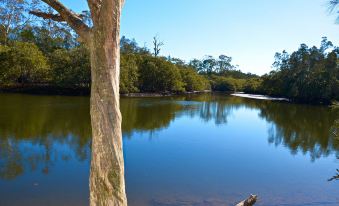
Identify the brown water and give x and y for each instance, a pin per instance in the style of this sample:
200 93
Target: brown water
189 150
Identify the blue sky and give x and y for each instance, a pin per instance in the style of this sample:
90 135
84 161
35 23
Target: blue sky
250 31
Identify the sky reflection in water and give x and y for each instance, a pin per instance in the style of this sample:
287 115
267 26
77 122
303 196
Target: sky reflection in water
189 150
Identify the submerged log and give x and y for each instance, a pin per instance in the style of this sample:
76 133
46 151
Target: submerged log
249 201
336 177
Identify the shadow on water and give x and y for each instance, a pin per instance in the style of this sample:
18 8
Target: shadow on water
32 128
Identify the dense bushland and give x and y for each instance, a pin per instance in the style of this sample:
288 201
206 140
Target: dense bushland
37 56
48 55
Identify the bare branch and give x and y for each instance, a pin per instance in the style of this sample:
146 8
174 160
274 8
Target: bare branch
54 17
51 16
74 20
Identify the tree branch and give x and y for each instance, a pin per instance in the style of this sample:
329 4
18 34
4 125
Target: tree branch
51 16
74 20
54 17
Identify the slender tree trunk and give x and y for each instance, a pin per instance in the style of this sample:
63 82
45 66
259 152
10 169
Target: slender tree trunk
107 183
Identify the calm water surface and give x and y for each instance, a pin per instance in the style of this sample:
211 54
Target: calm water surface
190 150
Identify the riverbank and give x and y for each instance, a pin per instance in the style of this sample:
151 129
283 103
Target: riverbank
80 91
163 94
43 89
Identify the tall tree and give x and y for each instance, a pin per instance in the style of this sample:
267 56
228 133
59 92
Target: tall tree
209 64
107 184
11 15
225 63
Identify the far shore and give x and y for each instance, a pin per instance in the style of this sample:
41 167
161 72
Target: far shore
162 94
85 91
81 91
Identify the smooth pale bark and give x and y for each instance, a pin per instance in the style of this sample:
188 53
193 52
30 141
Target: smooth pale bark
249 201
107 182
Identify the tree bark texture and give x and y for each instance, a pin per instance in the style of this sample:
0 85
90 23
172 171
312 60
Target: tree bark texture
107 182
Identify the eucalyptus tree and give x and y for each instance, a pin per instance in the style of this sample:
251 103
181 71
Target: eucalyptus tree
224 64
107 184
209 64
11 15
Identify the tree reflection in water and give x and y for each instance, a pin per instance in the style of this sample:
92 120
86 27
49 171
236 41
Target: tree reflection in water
302 128
33 128
335 133
335 177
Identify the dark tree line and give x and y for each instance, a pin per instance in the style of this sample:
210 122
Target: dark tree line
40 53
47 53
40 56
310 74
50 55
37 55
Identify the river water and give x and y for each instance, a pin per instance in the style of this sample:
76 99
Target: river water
208 149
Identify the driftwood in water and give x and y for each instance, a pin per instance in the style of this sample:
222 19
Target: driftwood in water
336 177
249 201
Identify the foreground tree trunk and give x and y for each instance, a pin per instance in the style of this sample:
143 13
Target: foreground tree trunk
107 182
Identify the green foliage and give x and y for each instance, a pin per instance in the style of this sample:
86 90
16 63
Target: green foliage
193 81
63 67
128 46
308 75
49 39
129 76
252 86
70 67
4 64
223 75
224 84
222 67
159 75
12 17
47 52
23 63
